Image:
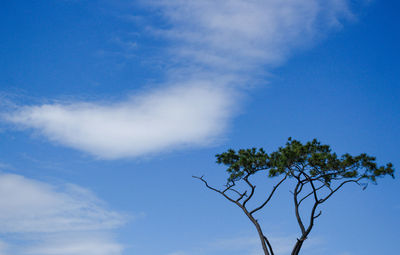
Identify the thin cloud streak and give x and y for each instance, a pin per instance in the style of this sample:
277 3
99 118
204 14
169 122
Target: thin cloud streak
76 245
66 220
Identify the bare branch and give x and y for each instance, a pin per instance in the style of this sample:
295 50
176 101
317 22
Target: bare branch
264 241
309 194
296 207
314 190
238 192
228 187
325 184
319 214
343 183
301 187
312 218
214 189
241 196
270 195
252 189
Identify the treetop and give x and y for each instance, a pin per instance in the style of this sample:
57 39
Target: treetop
313 159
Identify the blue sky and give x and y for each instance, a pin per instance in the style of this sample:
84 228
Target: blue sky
109 107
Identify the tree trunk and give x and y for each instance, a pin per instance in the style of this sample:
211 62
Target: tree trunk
262 238
260 235
297 247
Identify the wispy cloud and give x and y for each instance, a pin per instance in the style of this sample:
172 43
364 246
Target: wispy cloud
96 244
189 114
215 45
242 35
53 220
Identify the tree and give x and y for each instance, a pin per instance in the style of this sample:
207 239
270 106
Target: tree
313 173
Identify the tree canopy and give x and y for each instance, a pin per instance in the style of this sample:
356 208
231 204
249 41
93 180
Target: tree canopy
318 173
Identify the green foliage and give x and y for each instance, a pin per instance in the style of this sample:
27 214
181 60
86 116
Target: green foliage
311 159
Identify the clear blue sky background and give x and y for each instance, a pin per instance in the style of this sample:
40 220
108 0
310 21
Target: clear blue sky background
324 69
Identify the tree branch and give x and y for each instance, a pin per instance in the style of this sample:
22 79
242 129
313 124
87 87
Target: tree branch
314 190
296 208
343 183
252 187
319 214
309 194
241 196
270 195
312 218
214 189
264 241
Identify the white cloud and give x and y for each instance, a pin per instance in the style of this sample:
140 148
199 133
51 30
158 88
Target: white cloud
216 44
189 114
52 220
232 35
